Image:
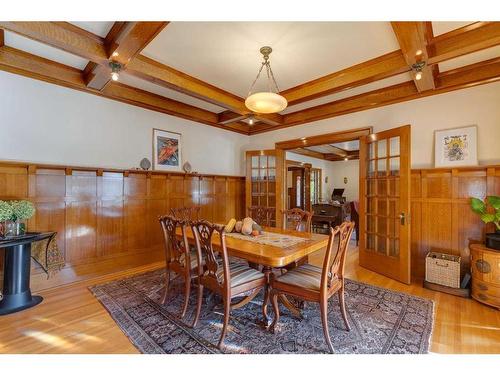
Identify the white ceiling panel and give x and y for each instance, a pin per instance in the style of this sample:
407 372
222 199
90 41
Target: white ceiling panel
472 58
347 93
226 54
348 146
95 27
442 27
171 94
43 50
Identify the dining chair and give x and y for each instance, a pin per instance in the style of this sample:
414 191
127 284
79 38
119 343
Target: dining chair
179 259
299 220
186 213
262 215
228 280
315 284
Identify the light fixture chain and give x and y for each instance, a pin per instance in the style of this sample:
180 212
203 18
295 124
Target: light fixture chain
256 78
274 80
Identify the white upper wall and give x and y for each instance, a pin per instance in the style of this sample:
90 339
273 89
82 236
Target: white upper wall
45 123
478 105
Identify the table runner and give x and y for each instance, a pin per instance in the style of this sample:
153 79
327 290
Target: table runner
270 238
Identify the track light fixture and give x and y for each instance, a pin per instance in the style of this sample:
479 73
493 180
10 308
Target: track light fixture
417 68
115 70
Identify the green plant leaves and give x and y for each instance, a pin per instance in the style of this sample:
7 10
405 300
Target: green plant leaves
494 201
488 218
478 206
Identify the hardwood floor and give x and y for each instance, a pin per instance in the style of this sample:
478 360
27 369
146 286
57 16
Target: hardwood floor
71 320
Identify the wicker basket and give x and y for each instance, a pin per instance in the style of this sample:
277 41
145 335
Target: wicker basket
442 269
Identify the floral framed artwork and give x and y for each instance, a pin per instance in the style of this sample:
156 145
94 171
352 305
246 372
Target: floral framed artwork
167 150
455 147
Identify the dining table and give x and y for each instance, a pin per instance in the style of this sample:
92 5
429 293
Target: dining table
270 256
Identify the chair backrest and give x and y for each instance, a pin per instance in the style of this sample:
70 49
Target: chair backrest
262 215
334 269
186 213
299 219
215 274
176 250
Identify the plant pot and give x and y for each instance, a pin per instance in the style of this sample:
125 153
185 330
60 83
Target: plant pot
493 240
14 228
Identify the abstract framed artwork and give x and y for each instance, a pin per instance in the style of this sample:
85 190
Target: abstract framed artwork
166 150
455 147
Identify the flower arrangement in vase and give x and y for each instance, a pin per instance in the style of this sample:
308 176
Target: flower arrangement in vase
13 215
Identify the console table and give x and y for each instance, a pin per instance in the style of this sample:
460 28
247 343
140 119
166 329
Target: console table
485 267
16 275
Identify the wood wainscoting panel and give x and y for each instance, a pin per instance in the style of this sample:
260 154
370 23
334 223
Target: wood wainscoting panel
107 219
441 216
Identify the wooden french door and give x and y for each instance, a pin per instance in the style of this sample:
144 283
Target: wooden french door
264 181
384 215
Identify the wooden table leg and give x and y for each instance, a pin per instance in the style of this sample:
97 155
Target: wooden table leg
267 272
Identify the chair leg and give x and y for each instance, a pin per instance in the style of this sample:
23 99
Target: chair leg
342 308
227 312
276 309
198 306
187 292
324 320
167 284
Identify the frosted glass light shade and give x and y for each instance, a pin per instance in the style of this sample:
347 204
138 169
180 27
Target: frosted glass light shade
266 102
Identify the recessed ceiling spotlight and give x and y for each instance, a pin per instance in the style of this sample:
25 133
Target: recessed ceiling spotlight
251 120
419 52
346 158
115 54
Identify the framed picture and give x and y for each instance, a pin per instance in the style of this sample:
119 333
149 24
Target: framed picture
166 150
455 147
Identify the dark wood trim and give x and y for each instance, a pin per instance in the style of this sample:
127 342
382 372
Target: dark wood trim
468 39
369 71
342 136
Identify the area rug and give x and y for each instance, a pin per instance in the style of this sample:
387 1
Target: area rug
382 321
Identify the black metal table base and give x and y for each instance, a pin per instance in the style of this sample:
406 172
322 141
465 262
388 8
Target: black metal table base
18 302
16 294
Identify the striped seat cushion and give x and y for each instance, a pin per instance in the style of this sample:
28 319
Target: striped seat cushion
240 274
192 258
306 276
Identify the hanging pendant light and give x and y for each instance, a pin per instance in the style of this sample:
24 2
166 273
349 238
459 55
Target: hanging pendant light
266 101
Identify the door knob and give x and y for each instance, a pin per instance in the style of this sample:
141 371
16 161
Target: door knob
402 218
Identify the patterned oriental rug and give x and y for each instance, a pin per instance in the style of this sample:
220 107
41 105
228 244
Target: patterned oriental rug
382 321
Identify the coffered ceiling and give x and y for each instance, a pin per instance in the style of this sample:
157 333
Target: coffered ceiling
202 71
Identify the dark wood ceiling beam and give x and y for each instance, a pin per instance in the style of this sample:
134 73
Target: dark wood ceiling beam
369 71
79 42
468 76
227 117
412 38
468 39
64 36
2 38
28 65
124 41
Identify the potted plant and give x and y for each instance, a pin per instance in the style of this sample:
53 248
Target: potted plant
487 215
20 211
5 215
